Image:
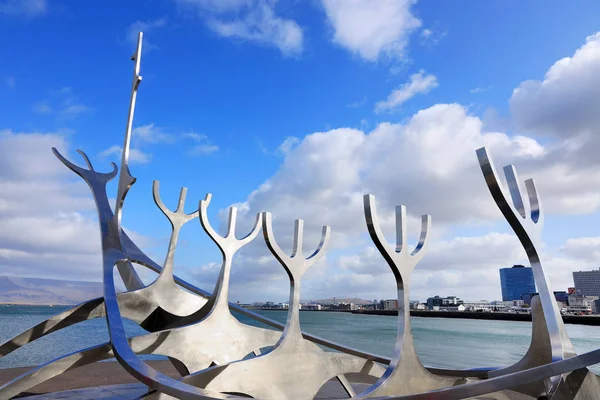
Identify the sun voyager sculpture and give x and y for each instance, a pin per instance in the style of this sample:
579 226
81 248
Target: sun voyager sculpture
222 358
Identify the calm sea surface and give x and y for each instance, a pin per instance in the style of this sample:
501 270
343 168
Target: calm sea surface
440 342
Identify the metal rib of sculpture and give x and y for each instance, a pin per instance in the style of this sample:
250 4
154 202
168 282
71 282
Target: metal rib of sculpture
526 218
295 367
196 345
405 374
184 325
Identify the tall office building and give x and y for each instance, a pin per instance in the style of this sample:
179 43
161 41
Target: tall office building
587 282
515 282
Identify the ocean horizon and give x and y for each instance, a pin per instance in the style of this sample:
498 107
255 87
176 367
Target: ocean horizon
440 342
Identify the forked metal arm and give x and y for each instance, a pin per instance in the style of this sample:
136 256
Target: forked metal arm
526 219
405 373
177 218
97 182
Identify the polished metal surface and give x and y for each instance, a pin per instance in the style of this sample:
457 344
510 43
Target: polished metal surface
405 373
526 218
294 367
223 358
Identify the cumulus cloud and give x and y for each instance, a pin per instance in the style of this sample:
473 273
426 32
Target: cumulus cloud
586 248
418 83
48 220
46 226
565 103
136 156
427 163
370 31
151 134
251 20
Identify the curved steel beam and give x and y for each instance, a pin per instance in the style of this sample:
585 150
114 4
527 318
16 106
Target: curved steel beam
405 373
294 367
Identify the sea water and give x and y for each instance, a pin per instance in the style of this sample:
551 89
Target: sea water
440 342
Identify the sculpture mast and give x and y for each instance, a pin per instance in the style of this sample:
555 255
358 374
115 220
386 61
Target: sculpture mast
128 274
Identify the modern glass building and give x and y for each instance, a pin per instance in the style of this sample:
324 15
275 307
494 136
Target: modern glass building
587 282
515 282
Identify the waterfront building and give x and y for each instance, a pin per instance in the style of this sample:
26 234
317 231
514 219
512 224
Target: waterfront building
587 282
478 306
596 306
571 290
526 297
562 297
390 305
580 304
312 307
436 302
342 306
516 281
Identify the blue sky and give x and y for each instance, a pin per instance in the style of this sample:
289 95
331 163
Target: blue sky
299 108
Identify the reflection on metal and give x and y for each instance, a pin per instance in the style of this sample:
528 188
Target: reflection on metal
296 368
526 218
223 358
405 374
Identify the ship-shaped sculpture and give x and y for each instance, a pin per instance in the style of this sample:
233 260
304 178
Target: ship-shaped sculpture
221 358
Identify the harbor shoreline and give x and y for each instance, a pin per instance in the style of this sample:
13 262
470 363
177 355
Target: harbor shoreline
590 320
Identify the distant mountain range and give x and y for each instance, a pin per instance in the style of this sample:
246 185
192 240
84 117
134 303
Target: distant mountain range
14 290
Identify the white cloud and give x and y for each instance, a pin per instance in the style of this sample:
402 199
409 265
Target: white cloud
63 103
24 8
430 37
252 20
427 163
146 27
46 228
48 225
203 149
480 89
136 156
565 103
357 104
216 6
204 145
418 83
586 248
151 134
371 29
42 107
73 110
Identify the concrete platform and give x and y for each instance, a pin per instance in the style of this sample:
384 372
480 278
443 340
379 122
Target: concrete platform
331 390
108 380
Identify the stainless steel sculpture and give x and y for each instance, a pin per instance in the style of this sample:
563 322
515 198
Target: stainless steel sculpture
405 374
312 367
220 357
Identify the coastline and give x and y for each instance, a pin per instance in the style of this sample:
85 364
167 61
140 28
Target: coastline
590 320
